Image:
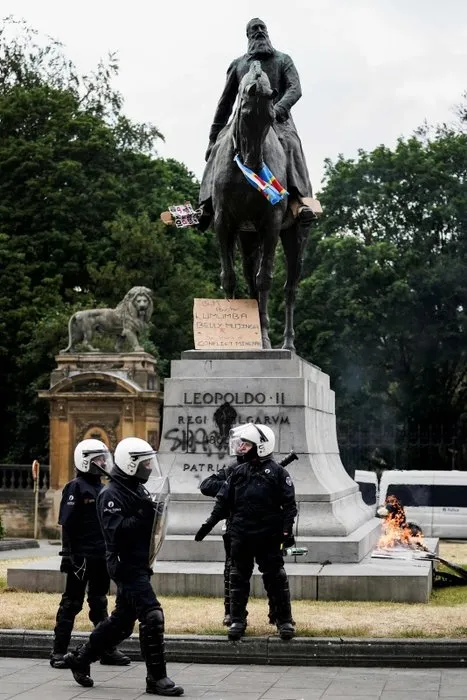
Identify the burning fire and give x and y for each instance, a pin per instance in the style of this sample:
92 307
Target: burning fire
397 532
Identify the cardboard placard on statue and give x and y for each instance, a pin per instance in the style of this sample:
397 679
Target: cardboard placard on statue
226 324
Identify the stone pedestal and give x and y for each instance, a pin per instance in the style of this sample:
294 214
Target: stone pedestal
371 579
101 395
210 392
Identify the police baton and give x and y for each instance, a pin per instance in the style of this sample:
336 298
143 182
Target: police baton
292 551
288 459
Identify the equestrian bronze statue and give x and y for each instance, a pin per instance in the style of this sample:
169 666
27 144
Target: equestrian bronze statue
256 188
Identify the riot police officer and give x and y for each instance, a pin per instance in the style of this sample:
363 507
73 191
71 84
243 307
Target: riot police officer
259 501
128 518
211 487
83 551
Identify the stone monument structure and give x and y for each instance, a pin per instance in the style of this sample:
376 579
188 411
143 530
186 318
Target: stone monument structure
257 189
210 392
104 395
101 395
257 192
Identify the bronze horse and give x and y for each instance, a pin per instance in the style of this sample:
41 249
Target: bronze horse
243 214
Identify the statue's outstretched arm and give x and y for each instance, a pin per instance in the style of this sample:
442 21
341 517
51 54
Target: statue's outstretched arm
226 102
293 90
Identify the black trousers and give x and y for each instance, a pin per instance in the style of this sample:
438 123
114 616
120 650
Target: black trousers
135 600
92 577
265 550
227 567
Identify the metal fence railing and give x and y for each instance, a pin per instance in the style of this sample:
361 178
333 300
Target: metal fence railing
379 445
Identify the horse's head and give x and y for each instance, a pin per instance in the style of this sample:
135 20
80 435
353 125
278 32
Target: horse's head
255 115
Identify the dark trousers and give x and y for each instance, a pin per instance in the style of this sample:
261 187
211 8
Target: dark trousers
244 551
135 600
92 576
227 567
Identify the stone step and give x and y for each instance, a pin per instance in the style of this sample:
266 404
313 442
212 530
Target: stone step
350 549
371 579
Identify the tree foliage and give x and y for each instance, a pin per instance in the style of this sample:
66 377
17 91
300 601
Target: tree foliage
383 306
81 190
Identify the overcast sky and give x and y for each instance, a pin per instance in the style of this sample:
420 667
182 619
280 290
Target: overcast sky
371 70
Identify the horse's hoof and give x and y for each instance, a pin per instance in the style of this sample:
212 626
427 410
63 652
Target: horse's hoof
289 346
267 344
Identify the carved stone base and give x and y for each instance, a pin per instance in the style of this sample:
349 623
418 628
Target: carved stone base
104 395
209 392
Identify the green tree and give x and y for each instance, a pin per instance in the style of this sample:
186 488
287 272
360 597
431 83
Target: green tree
383 305
81 189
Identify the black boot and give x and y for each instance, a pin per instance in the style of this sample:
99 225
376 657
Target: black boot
79 661
236 631
286 630
306 215
239 592
151 637
66 613
114 657
227 621
57 660
163 686
277 586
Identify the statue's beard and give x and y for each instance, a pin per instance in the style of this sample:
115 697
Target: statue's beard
260 47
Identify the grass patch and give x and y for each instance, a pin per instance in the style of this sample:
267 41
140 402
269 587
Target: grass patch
193 615
453 595
314 619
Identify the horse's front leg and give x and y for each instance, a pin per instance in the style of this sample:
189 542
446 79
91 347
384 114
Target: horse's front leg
226 234
270 236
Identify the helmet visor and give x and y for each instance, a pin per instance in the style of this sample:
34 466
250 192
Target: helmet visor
238 446
99 462
145 465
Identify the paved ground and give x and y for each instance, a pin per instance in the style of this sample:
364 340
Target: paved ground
44 550
31 679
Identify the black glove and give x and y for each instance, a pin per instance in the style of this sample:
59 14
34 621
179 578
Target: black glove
288 540
204 530
146 510
66 565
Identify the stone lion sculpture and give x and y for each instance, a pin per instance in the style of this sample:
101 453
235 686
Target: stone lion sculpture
126 322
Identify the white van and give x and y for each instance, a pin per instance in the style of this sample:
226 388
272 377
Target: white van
368 485
435 500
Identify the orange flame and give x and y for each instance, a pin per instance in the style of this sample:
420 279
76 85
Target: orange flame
396 531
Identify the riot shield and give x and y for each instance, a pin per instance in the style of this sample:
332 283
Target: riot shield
159 491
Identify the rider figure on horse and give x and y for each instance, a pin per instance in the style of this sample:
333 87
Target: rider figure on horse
284 80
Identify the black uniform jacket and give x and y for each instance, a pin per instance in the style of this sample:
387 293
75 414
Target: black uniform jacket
126 520
81 531
213 484
257 499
